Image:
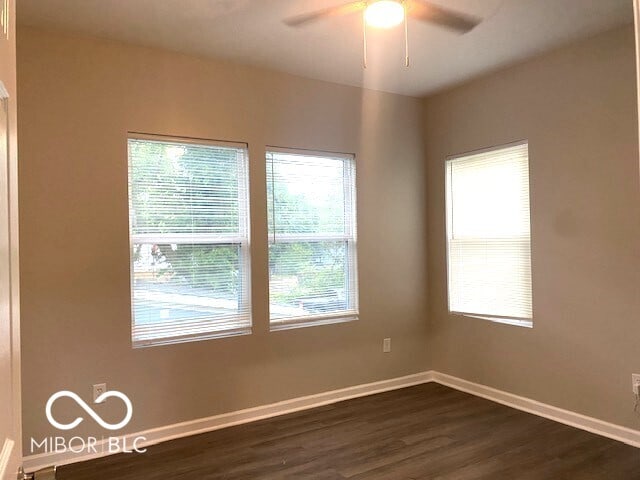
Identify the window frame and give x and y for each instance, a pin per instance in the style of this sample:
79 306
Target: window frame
349 237
198 330
507 320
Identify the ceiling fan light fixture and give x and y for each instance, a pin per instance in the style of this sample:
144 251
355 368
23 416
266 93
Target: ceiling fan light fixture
384 13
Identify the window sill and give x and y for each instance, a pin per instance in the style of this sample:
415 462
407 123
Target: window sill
517 322
311 322
210 335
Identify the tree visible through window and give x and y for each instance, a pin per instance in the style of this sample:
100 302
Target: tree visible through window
312 233
189 239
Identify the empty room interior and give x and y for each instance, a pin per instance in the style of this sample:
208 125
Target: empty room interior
319 239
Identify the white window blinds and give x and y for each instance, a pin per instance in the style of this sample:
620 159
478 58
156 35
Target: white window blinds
488 227
312 237
189 239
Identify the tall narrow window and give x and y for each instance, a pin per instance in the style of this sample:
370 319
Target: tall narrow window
189 239
488 225
312 238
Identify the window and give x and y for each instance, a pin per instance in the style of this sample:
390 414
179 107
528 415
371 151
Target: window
488 247
312 238
189 239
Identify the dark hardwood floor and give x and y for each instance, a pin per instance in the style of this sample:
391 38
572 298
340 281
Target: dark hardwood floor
423 432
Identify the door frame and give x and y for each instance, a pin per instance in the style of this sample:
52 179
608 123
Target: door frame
12 459
636 21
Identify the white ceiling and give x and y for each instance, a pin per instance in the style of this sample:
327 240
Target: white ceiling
252 32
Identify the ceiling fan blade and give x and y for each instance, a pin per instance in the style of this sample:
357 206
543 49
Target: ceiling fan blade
340 10
430 12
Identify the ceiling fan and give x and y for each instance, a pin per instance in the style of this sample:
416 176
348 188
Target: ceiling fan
390 13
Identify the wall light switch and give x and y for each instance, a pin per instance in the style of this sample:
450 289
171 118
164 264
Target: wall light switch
386 345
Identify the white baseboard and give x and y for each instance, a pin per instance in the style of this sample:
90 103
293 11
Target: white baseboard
170 432
208 424
577 420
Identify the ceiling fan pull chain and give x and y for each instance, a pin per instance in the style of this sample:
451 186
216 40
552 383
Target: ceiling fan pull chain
406 35
364 39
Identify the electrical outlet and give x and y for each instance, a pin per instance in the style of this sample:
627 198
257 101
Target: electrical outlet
635 383
386 345
98 389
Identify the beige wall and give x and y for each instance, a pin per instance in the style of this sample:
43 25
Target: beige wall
78 99
577 108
